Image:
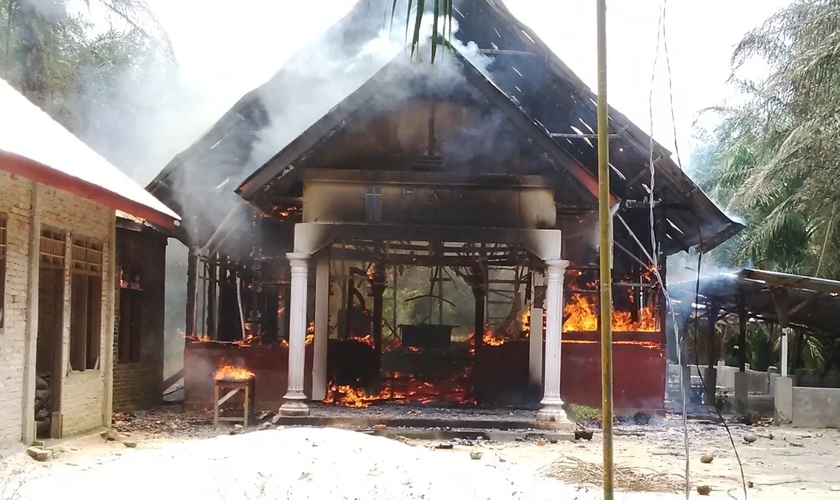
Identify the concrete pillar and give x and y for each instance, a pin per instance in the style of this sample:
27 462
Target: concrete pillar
106 354
28 429
741 391
535 352
294 401
552 415
783 401
710 383
322 318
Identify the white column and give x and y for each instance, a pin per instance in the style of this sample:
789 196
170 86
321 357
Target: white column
294 401
552 415
535 355
322 318
784 342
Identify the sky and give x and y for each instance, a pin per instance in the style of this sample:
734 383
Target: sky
226 51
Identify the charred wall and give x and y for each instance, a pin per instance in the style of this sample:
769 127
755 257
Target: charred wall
139 319
408 201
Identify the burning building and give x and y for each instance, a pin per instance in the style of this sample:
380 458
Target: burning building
314 218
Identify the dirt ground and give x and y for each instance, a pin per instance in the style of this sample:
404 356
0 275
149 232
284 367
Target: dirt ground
781 463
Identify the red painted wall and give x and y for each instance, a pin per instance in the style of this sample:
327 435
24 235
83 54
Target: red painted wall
639 373
638 376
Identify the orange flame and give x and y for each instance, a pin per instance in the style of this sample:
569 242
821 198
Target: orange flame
309 339
580 316
228 373
402 388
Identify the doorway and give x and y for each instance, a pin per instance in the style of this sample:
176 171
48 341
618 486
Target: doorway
50 333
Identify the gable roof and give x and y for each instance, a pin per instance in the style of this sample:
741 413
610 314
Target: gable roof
38 148
526 80
284 163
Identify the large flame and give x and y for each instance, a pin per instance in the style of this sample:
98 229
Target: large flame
581 316
227 373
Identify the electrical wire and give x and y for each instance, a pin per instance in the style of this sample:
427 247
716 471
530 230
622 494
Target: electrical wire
662 34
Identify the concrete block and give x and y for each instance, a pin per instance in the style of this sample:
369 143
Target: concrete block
741 391
771 383
783 401
710 389
39 454
816 407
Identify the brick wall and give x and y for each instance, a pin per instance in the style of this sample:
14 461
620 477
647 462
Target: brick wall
137 384
15 199
83 398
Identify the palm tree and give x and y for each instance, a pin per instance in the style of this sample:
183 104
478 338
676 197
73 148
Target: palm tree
774 160
52 56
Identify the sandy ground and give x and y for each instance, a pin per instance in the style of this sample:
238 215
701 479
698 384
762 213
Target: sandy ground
179 457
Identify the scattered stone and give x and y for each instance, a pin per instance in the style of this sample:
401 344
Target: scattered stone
583 434
238 427
39 454
110 435
444 446
130 444
704 490
750 438
706 459
540 442
265 425
553 440
475 455
502 459
379 427
797 445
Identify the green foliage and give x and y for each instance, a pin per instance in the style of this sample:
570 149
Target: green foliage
774 160
584 414
65 63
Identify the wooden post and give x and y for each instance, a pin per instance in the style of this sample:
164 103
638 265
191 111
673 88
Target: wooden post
711 352
192 285
210 320
378 286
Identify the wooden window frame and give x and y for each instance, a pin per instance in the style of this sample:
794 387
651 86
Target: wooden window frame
130 334
86 289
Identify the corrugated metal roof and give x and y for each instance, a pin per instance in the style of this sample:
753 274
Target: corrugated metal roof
28 132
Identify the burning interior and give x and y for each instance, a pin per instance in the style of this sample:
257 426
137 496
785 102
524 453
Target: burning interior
432 245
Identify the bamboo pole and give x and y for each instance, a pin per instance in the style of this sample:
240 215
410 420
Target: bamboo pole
605 250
